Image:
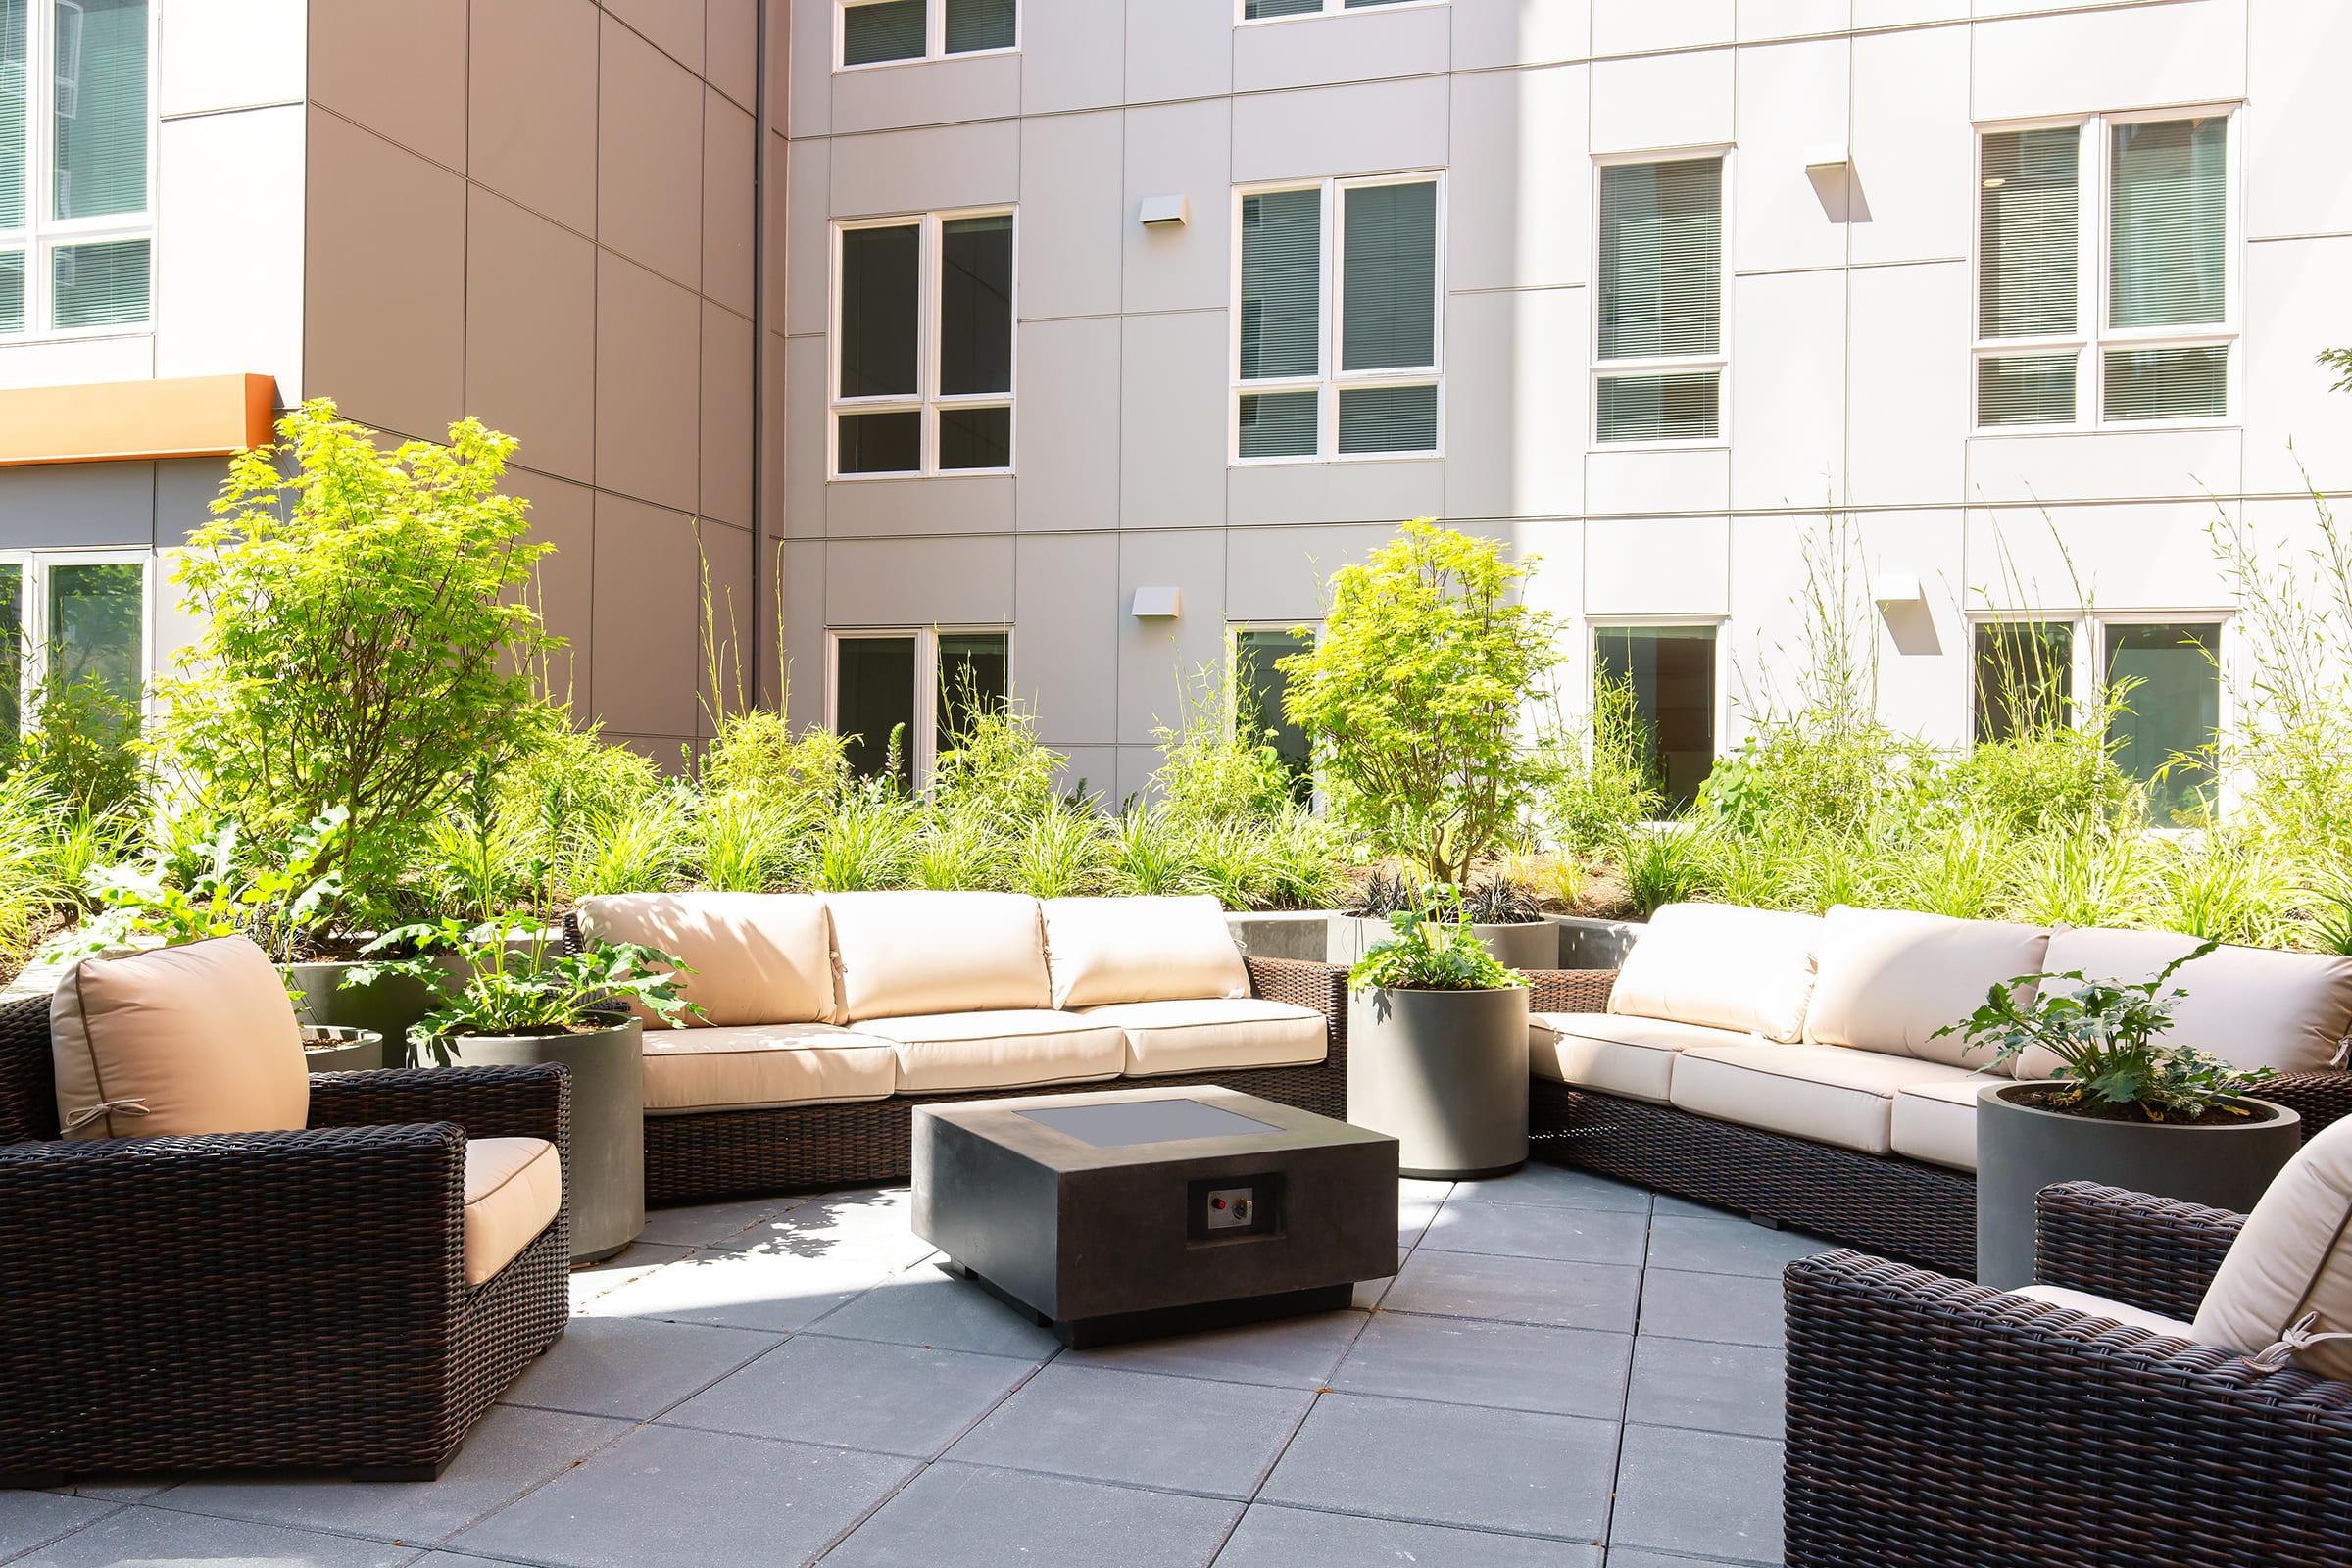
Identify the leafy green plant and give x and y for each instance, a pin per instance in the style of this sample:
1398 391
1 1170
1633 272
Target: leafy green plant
2091 879
993 768
1598 773
1432 949
1148 854
1304 858
2104 1035
1664 865
1414 693
1217 764
84 742
960 848
869 843
742 843
639 850
278 898
755 752
2222 888
366 634
1060 853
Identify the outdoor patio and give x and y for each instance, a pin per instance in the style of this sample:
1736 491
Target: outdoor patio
1564 1372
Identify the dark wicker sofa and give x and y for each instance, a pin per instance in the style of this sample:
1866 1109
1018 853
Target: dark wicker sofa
1936 1424
262 1300
1880 1203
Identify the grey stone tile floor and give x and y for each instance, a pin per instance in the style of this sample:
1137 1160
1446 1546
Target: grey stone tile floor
1564 1371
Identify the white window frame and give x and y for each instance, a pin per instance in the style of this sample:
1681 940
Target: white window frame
2094 336
32 667
927 400
935 37
1329 8
1329 381
923 741
43 234
1720 362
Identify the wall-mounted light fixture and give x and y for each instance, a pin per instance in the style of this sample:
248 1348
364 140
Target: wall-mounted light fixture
1897 588
1829 165
1157 603
1162 212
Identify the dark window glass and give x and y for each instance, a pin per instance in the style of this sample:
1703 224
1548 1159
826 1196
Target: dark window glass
2168 681
1388 418
1278 425
1259 10
1282 284
873 702
879 268
2025 677
892 30
1671 672
975 438
1682 406
12 643
1261 684
97 625
979 25
1390 295
974 678
975 305
880 443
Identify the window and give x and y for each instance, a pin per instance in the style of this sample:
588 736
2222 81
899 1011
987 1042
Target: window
902 697
2024 675
1277 10
2167 680
1260 686
71 617
1671 672
922 372
77 230
1294 395
1658 349
2103 276
881 32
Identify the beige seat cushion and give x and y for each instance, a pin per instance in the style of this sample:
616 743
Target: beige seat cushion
752 1065
1937 1122
172 1041
1628 1056
1829 1093
2293 1257
513 1188
758 957
1141 950
1203 1034
2099 1306
903 955
1722 966
1890 978
2255 1006
1011 1048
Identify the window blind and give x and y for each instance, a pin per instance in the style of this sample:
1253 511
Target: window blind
2026 389
1388 419
101 109
879 268
1279 425
103 284
2028 233
1282 263
14 19
11 291
975 305
2168 384
2168 224
1684 406
1661 259
887 29
1259 10
1388 297
979 25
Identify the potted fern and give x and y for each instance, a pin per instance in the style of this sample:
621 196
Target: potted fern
2108 1101
1436 1044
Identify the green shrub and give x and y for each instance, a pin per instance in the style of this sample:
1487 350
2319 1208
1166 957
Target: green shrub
869 843
993 768
83 743
2082 878
1667 864
1233 862
755 752
744 844
1060 852
1148 854
2217 886
960 848
570 777
1305 861
1216 766
1599 772
640 849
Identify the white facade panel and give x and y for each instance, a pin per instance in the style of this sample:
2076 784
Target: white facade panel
229 247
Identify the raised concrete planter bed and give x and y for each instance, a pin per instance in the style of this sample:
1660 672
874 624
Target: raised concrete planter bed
1529 944
1589 943
1283 934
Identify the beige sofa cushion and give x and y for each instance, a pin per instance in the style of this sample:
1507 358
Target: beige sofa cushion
1937 1122
1207 1033
2255 1006
1141 950
172 1041
1890 978
1829 1093
1722 966
1014 1048
513 1189
907 953
2294 1257
749 1067
2099 1306
1630 1057
758 957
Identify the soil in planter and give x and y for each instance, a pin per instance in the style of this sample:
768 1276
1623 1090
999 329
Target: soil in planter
2089 1109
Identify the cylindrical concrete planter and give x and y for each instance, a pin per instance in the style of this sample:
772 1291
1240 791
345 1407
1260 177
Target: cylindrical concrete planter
1520 945
2023 1148
604 1183
1444 1073
387 1006
327 1049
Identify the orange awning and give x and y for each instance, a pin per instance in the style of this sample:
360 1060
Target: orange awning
195 416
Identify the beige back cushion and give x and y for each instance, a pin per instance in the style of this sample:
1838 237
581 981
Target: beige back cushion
902 954
2293 1257
2254 1007
1890 978
194 1039
1721 965
1141 950
758 957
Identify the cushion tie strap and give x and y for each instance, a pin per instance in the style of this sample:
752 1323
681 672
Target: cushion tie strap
2343 1050
2298 1334
90 1114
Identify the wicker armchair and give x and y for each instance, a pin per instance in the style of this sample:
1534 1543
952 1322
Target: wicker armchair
261 1299
1938 1424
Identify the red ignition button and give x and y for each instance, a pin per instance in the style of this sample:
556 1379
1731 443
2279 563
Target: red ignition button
1217 1202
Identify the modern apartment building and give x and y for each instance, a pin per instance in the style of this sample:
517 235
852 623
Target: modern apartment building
1091 334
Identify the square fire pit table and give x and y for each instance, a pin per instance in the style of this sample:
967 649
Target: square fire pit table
1128 1213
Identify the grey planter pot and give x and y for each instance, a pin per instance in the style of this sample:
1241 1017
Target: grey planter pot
387 1007
326 1049
1444 1073
2022 1149
1521 944
604 1183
